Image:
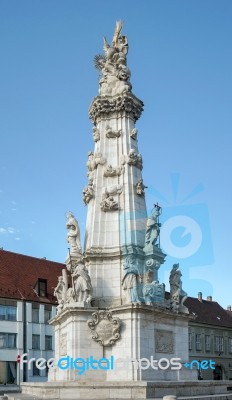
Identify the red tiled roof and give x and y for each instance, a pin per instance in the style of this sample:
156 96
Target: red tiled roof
208 312
19 275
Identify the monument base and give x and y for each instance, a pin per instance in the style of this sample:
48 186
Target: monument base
124 390
125 343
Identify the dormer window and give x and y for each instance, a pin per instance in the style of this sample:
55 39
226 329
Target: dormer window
42 287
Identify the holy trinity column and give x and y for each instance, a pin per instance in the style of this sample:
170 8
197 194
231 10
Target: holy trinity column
116 217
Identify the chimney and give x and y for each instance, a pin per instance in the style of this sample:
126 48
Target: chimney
228 308
209 298
200 296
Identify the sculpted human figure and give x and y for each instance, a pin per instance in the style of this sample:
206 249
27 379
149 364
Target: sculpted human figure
115 73
88 193
135 159
140 188
108 203
99 159
153 226
112 134
73 236
110 171
177 294
60 293
91 163
131 279
82 284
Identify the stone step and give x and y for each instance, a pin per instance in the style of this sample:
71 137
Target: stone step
224 396
21 396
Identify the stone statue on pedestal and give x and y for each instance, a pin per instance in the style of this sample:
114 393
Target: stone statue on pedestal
131 280
153 227
73 236
81 290
60 290
177 294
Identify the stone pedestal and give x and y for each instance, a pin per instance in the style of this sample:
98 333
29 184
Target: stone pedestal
143 332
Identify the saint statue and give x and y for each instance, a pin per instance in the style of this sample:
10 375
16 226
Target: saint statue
60 293
131 280
81 290
73 236
153 226
177 294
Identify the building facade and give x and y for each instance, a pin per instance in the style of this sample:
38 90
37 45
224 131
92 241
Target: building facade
210 337
26 305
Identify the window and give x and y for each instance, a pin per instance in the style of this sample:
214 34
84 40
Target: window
207 342
42 287
48 342
36 371
198 341
8 313
35 313
190 341
36 342
230 344
47 315
7 340
219 344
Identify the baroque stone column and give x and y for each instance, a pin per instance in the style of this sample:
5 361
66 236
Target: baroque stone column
116 217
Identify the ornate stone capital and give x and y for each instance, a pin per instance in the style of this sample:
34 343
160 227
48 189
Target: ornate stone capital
124 104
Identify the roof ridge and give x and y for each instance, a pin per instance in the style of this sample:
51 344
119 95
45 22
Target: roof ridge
25 255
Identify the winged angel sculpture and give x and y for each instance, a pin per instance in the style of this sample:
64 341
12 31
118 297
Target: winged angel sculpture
115 77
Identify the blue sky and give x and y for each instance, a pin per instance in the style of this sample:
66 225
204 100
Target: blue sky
181 63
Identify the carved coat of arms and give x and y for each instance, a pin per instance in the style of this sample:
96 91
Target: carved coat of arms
105 327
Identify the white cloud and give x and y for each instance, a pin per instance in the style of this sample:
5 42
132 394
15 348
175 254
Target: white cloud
17 238
11 230
14 209
13 202
5 231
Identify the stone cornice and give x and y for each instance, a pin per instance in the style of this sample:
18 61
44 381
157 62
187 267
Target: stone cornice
124 104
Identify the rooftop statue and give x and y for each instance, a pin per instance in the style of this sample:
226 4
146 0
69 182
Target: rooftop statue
113 65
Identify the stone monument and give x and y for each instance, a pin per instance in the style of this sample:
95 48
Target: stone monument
111 304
